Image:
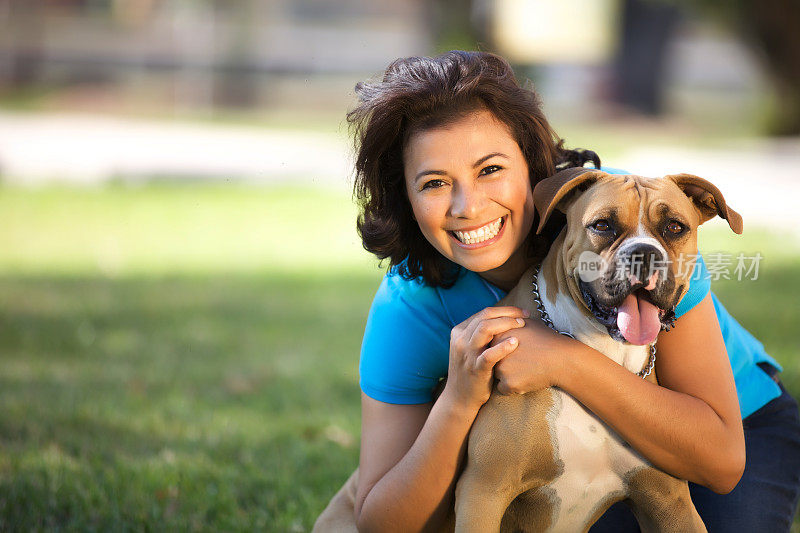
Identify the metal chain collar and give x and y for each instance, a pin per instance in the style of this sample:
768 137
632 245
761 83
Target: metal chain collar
648 368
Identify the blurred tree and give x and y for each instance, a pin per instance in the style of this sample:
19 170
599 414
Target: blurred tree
235 79
22 37
772 25
454 26
771 28
646 30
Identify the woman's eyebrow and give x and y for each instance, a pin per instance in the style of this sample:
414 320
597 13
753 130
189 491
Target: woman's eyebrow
489 156
426 172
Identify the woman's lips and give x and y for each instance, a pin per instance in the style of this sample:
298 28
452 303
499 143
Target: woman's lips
503 221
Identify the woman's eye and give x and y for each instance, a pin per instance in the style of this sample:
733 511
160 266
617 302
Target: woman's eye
601 225
674 227
491 169
432 184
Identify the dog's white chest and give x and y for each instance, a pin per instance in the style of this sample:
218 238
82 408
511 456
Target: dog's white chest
595 462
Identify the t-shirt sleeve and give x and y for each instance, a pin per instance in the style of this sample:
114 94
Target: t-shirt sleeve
699 287
406 343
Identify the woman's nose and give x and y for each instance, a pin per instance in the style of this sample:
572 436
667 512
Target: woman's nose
465 203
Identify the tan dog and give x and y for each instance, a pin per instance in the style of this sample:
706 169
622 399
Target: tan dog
531 457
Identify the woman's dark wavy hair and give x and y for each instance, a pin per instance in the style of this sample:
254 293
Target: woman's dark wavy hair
419 93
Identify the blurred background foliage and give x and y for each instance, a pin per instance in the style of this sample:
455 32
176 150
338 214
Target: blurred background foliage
182 291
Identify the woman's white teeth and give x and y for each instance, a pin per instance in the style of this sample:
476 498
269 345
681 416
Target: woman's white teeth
489 231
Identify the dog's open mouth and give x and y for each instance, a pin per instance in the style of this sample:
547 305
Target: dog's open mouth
635 319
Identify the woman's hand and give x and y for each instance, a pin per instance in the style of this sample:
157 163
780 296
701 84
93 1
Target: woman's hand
536 364
469 377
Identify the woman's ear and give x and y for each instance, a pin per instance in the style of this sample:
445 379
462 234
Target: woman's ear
554 192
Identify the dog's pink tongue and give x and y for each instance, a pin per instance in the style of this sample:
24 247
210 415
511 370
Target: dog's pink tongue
638 320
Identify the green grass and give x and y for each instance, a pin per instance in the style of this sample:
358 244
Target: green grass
212 401
186 357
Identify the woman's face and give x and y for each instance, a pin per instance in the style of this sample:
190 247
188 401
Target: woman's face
470 193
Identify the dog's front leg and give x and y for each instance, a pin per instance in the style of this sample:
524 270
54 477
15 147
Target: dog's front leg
481 502
510 452
662 503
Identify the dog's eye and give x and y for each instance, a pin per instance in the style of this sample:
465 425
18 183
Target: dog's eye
601 225
674 227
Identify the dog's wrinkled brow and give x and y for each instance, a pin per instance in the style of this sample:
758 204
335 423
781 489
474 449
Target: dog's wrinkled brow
609 213
665 212
649 183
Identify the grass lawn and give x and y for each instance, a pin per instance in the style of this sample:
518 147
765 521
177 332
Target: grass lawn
186 357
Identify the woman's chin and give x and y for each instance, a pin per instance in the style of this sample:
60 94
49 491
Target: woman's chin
480 264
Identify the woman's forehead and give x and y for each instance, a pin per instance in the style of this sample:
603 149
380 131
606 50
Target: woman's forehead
464 140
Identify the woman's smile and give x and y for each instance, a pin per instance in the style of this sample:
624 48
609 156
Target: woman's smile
485 235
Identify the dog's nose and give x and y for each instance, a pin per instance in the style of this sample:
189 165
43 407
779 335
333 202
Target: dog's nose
641 262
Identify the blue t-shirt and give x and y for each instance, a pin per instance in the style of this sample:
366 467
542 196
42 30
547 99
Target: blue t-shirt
406 344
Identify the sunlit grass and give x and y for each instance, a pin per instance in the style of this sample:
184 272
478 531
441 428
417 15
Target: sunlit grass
178 229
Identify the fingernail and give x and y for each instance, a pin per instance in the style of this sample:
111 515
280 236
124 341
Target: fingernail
526 313
513 340
520 322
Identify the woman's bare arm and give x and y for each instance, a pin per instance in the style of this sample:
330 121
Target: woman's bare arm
689 425
410 458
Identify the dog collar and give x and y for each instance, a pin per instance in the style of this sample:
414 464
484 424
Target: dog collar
648 368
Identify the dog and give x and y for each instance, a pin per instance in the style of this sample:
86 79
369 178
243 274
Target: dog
527 466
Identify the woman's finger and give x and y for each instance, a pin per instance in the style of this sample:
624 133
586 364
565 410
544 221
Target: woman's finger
491 356
484 331
496 312
490 313
467 328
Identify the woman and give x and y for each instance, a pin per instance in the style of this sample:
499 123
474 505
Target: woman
449 149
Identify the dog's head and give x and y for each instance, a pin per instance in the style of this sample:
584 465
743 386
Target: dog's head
630 243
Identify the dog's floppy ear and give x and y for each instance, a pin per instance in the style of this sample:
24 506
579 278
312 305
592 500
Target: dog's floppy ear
550 191
707 199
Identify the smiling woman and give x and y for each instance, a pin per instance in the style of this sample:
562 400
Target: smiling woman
475 208
399 112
